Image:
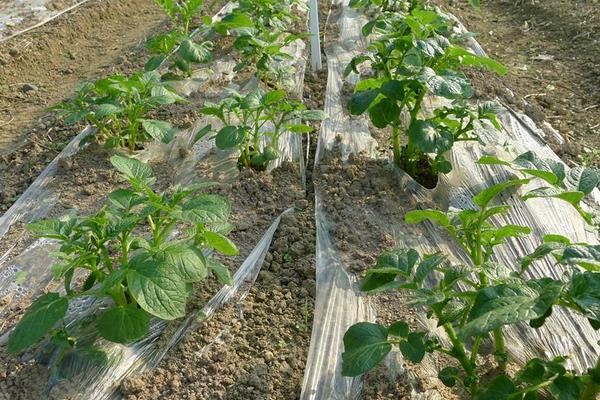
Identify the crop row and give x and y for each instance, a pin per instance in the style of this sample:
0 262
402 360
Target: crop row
416 53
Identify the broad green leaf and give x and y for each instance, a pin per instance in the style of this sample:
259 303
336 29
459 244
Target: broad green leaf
413 347
221 271
229 136
399 329
132 169
586 256
566 388
162 95
449 376
202 132
39 318
184 259
418 216
549 170
389 266
124 324
394 90
159 130
53 228
470 59
501 388
483 198
220 243
313 115
384 113
431 138
106 110
582 179
448 84
156 288
193 52
111 280
507 304
125 199
429 264
154 63
539 253
206 209
361 101
365 346
273 97
492 160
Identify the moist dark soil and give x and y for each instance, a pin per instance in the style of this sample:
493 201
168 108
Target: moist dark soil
551 49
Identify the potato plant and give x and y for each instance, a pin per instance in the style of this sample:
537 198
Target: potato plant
261 45
177 45
412 56
117 106
475 302
254 122
138 275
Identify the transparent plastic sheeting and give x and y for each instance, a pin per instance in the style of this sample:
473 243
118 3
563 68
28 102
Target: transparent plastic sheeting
36 12
337 306
100 382
338 302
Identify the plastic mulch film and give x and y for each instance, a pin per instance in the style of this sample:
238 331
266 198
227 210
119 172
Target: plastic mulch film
338 302
337 306
87 377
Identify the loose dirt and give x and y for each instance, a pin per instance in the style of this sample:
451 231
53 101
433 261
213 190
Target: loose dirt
551 48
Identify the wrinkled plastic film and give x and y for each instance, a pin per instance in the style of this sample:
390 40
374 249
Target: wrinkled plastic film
337 306
100 382
563 334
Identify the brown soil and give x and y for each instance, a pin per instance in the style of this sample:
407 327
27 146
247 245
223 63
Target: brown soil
256 346
551 49
42 67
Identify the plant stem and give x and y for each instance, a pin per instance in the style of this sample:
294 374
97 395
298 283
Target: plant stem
396 145
500 353
458 351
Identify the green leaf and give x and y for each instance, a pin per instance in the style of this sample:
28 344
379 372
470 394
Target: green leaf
132 169
193 52
365 346
184 259
418 216
399 329
586 256
106 110
154 63
549 170
361 101
565 388
220 243
53 228
389 265
40 317
492 160
201 133
499 389
449 376
384 113
221 271
448 84
125 199
206 209
393 89
430 137
483 198
159 130
583 179
272 97
470 59
429 264
507 304
229 136
313 115
111 280
124 324
156 288
413 347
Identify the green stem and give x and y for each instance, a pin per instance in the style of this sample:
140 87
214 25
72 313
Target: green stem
458 351
500 353
396 145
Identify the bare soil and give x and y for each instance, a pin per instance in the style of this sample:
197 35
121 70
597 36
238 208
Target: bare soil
551 48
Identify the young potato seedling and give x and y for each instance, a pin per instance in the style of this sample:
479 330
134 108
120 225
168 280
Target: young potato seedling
472 303
254 123
177 45
117 106
139 276
412 56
